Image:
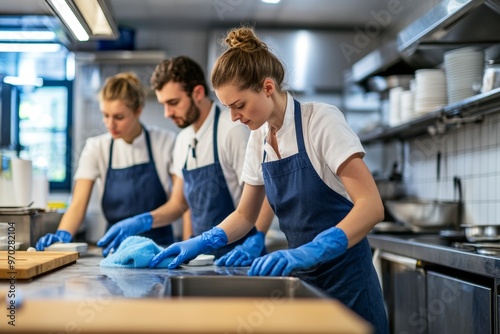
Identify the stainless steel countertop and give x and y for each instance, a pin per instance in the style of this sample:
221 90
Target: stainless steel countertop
86 280
431 248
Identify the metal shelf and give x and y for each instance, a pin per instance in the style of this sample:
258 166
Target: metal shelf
468 110
476 105
415 127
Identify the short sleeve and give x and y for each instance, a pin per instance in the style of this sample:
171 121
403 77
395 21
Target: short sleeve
252 168
333 140
88 165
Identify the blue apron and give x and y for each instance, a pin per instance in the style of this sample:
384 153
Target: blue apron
306 206
207 195
134 190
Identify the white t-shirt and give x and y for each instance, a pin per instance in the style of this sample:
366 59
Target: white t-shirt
232 138
94 159
328 139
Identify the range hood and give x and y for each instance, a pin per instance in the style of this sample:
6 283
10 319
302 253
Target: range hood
139 57
450 24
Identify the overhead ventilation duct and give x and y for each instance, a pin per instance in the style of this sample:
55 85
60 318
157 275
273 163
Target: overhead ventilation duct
145 57
451 24
313 58
422 44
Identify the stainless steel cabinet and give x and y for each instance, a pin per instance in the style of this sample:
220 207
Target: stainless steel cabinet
457 306
420 300
498 313
404 287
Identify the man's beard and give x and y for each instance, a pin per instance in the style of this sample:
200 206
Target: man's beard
192 116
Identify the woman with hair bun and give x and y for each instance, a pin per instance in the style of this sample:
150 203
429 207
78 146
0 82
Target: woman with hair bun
309 163
131 161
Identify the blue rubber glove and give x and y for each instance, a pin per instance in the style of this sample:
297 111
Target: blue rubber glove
123 229
189 249
244 254
50 238
326 246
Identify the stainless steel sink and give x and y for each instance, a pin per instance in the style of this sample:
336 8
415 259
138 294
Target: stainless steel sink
240 286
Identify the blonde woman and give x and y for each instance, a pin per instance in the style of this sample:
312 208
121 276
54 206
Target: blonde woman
131 161
309 163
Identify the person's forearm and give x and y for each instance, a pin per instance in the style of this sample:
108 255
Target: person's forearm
236 226
368 209
168 213
187 227
71 220
265 218
241 221
173 208
75 213
363 216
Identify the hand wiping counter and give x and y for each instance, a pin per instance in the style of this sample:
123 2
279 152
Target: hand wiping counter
135 252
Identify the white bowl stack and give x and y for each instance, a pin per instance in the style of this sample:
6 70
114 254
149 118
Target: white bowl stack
464 70
430 90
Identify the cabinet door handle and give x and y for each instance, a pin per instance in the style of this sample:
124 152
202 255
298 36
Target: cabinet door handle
405 261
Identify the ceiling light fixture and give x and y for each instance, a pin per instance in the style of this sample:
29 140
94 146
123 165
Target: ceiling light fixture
271 1
86 19
29 35
30 47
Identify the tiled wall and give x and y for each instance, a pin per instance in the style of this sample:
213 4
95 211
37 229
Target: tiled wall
470 152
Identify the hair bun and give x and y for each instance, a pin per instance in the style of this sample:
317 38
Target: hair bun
130 77
245 40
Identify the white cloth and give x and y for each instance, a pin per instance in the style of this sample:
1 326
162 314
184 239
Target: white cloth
328 139
94 159
232 138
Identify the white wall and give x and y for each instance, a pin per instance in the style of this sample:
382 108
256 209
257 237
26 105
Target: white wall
192 43
470 152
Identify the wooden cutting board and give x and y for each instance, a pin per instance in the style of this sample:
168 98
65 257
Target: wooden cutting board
26 265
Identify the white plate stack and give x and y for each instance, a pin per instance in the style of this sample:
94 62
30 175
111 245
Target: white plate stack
464 71
430 90
407 105
395 105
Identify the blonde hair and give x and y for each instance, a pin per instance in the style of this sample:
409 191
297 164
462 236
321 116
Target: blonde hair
125 87
246 62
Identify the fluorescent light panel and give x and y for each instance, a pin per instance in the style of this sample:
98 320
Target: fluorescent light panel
29 47
87 19
94 15
31 35
66 14
271 1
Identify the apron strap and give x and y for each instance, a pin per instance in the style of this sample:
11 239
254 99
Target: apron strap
216 126
110 153
148 144
216 149
298 130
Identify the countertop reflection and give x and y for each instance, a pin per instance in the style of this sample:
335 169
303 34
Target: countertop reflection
87 280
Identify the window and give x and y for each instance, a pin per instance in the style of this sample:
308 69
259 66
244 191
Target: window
44 123
39 118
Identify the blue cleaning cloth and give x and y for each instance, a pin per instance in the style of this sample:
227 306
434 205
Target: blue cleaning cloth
135 252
